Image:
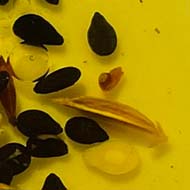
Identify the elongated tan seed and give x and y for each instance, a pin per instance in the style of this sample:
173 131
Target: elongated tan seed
117 111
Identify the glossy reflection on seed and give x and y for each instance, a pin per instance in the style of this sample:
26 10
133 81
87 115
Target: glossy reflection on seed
15 156
44 146
85 130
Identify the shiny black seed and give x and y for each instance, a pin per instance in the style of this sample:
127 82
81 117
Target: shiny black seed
6 174
55 2
15 156
36 122
101 36
53 182
84 130
3 2
46 146
35 30
4 79
57 80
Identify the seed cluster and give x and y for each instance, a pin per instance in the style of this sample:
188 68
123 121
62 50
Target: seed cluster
40 128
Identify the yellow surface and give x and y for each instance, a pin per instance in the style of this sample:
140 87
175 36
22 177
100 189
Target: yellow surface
156 81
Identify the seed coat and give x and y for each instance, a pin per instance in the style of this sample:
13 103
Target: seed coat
36 122
44 146
85 130
57 80
101 36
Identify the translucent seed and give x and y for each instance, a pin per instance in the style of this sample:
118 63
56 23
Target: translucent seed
36 122
85 130
113 157
28 62
46 146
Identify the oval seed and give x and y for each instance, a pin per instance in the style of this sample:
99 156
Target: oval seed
15 156
44 146
53 182
36 122
54 2
3 2
58 80
101 36
25 58
84 130
4 79
35 30
113 157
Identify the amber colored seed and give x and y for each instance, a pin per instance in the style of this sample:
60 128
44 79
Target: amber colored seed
44 146
36 122
107 81
53 182
85 130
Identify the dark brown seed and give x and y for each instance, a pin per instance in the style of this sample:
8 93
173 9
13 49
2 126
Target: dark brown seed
44 146
36 122
54 2
4 79
102 37
53 182
58 80
35 30
15 156
84 130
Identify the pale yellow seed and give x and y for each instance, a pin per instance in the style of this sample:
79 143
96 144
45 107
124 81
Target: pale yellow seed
29 62
113 157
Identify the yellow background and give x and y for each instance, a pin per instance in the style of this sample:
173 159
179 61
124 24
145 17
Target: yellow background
156 81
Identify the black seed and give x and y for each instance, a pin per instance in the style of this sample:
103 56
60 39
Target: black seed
6 174
101 36
53 182
3 2
35 30
46 146
55 2
4 79
15 156
84 130
36 122
58 80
